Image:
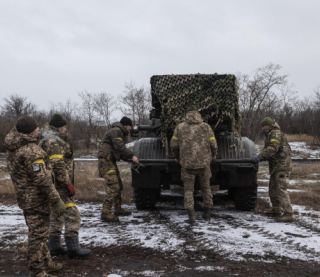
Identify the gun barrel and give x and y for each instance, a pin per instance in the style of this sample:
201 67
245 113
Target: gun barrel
173 161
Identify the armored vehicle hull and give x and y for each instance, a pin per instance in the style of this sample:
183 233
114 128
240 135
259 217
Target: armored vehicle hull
216 97
239 178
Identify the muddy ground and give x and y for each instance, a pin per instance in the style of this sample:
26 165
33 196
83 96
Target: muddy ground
161 243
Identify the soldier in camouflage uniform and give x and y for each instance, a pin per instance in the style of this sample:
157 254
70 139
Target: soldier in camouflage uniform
194 145
30 172
277 152
60 154
112 148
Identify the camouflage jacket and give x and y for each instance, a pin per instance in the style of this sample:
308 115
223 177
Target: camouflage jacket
113 147
30 171
276 150
60 154
193 142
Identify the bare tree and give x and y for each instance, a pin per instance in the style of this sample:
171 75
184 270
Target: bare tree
88 116
137 103
16 106
104 104
257 95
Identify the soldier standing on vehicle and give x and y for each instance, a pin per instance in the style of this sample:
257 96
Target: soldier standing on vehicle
277 152
30 173
60 154
112 148
194 146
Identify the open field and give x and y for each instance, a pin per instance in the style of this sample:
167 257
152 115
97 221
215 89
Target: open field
161 243
300 138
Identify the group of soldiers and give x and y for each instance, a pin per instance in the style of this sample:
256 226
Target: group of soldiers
41 169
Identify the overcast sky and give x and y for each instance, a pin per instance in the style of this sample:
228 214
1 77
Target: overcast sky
50 50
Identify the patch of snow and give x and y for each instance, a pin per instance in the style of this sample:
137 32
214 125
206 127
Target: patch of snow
302 182
220 192
151 273
131 143
98 179
172 193
263 189
302 147
210 268
297 148
266 189
5 178
294 182
233 233
265 176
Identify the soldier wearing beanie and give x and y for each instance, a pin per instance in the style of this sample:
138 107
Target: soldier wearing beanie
112 148
277 152
54 143
30 172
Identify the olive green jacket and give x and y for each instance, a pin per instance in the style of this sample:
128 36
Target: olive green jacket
113 147
276 150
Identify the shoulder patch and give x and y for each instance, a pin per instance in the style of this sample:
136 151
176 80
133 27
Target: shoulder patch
35 167
56 148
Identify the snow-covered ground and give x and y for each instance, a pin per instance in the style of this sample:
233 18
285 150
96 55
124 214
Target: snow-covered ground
230 232
295 182
300 150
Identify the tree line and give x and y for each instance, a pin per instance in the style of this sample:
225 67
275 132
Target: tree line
263 93
87 120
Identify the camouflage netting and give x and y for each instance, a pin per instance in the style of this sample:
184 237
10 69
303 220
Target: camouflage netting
215 95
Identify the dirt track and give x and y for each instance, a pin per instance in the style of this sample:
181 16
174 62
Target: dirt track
161 243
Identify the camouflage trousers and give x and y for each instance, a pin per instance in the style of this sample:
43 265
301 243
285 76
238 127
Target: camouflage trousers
188 177
108 169
279 196
39 257
71 218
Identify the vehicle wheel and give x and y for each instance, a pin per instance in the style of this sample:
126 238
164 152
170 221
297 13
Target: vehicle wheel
246 198
145 198
232 192
158 193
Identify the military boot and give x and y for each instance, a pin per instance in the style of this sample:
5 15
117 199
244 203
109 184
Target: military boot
121 212
286 217
54 267
273 212
55 246
207 214
74 249
109 217
192 216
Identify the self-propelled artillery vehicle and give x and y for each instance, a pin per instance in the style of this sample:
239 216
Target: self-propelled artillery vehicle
216 97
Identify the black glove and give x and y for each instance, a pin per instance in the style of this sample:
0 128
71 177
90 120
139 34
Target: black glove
256 159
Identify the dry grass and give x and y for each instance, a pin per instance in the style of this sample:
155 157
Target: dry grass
85 152
90 187
7 193
300 137
309 197
305 171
